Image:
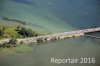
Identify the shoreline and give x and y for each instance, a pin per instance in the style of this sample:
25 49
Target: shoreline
51 37
22 48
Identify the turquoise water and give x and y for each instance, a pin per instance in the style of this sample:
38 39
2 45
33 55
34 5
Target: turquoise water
41 16
55 16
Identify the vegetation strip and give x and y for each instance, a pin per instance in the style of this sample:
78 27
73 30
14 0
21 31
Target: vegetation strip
37 39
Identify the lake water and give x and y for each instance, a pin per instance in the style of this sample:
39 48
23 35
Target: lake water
68 48
74 14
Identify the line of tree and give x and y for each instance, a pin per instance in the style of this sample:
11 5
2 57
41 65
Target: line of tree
26 32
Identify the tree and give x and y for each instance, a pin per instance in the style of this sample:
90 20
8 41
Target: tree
39 40
1 32
27 32
18 28
3 28
12 42
22 31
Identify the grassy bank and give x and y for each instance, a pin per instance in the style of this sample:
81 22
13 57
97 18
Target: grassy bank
14 32
8 31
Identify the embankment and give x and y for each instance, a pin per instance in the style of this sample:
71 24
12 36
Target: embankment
54 36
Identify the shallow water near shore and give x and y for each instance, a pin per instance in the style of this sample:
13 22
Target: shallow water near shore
68 48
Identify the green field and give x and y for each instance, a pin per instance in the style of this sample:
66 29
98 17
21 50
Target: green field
9 31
